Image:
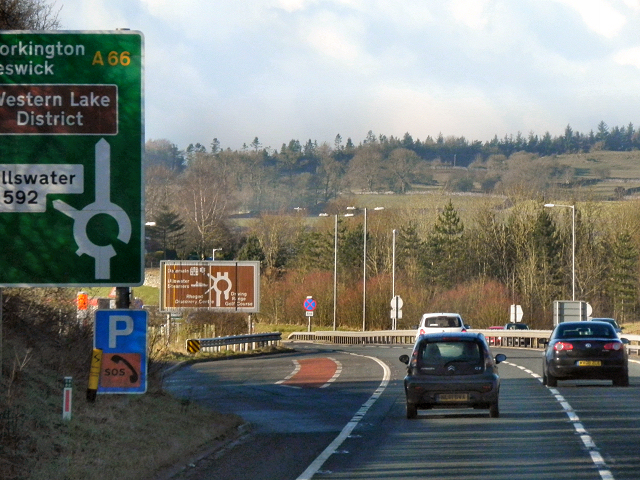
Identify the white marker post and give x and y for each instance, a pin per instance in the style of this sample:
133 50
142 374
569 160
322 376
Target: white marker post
66 398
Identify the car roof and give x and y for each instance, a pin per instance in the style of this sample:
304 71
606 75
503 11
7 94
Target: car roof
582 323
451 335
568 326
440 314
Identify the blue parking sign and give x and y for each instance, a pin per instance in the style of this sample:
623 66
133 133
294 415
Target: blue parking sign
122 336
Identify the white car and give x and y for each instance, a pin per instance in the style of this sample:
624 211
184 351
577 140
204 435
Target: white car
440 322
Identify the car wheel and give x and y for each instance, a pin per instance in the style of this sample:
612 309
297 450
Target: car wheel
494 410
551 381
621 380
412 411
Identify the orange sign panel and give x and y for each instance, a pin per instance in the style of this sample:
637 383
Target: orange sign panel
219 286
120 370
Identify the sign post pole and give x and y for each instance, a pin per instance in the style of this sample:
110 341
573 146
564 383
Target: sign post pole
309 306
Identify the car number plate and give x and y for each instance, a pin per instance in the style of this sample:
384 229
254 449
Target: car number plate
453 397
589 363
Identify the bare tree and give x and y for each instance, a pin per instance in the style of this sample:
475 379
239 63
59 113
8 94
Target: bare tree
366 169
28 15
204 202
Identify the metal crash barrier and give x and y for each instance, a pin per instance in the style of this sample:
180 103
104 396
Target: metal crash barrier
237 343
499 338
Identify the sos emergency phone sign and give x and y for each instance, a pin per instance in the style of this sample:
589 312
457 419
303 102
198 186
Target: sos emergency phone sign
121 334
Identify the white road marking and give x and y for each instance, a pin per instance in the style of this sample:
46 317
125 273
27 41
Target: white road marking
335 375
295 370
588 442
346 431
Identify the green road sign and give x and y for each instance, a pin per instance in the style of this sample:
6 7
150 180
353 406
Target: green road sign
71 143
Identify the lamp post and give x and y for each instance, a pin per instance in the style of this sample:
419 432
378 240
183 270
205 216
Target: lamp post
573 244
213 254
364 270
335 268
393 275
147 224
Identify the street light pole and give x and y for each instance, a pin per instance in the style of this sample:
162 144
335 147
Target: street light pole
364 274
573 244
364 271
393 275
213 255
335 271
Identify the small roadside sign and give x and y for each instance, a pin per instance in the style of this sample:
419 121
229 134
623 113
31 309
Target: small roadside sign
396 307
122 337
309 304
207 285
193 345
516 313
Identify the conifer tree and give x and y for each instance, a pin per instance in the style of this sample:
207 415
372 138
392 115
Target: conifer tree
168 232
623 276
445 248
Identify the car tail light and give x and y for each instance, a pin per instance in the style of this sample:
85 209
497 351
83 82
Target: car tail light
613 346
414 359
463 329
561 346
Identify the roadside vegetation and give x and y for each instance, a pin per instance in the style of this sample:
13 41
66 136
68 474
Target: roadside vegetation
116 437
474 237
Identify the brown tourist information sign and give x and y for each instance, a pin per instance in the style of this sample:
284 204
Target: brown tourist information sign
210 285
59 109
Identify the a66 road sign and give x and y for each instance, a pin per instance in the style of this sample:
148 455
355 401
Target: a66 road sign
71 142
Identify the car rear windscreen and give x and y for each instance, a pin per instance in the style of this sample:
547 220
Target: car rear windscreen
450 357
442 322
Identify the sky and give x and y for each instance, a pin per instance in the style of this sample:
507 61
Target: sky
284 70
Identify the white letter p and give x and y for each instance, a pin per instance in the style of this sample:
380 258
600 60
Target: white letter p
114 332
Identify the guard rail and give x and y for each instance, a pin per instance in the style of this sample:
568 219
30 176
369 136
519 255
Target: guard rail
242 343
503 338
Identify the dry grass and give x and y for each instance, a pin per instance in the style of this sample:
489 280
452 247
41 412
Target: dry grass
124 437
117 437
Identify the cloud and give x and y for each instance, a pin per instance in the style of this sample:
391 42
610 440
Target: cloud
629 56
599 15
310 69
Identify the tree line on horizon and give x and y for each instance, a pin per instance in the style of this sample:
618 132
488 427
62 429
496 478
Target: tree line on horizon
310 175
452 150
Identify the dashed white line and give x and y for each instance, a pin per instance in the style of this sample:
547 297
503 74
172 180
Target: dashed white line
335 375
296 369
587 440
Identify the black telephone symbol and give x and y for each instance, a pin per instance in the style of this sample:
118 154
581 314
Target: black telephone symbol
133 378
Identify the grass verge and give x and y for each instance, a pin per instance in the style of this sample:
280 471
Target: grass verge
118 437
